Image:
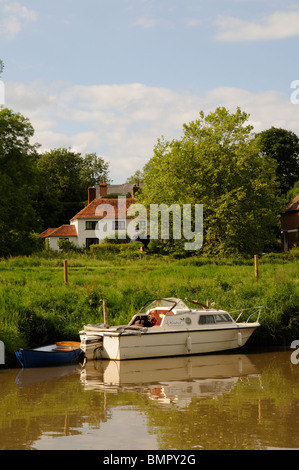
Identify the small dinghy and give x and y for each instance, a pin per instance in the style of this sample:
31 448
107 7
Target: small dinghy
61 353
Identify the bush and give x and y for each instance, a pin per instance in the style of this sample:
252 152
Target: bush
66 246
125 250
104 249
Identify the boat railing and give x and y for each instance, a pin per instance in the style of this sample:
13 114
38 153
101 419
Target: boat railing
257 310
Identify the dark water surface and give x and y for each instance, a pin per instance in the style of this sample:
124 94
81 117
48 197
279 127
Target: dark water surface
231 401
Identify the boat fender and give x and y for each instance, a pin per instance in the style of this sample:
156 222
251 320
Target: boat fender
240 340
189 343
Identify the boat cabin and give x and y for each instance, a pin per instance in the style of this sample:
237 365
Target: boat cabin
153 314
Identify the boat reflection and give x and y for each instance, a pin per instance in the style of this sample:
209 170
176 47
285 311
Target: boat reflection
170 380
27 377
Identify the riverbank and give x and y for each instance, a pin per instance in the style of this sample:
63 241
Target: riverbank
38 307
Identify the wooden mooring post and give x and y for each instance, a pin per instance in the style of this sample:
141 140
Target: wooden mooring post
256 266
66 275
105 311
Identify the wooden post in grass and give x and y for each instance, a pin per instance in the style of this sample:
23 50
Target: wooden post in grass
65 268
105 311
256 266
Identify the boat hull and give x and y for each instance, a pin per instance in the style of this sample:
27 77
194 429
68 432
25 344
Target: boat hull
155 343
48 356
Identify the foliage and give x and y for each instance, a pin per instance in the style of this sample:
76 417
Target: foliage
124 250
64 179
93 169
66 246
137 177
283 146
217 163
293 192
18 180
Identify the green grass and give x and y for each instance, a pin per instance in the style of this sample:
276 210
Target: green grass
36 307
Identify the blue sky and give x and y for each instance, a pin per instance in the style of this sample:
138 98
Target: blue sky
112 76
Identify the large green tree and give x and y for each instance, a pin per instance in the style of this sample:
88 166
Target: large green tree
18 183
218 163
283 146
64 179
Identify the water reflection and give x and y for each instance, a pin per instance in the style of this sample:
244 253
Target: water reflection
227 401
168 380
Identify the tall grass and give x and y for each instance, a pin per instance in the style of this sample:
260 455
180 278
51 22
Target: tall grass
36 307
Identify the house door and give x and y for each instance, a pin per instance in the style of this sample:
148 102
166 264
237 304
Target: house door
91 241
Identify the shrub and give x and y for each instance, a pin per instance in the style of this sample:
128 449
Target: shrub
66 246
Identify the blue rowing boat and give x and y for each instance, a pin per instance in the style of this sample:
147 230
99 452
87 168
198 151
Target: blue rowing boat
47 356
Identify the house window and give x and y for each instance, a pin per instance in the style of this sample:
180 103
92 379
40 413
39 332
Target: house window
91 241
90 225
119 225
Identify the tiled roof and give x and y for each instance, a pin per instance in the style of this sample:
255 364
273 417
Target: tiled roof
293 205
62 231
47 232
118 209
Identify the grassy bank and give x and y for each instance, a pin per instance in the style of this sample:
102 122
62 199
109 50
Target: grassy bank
37 307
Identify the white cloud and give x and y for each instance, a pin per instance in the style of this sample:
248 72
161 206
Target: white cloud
146 22
123 122
14 17
278 25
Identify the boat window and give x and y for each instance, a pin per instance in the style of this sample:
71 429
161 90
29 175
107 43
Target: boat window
206 319
218 318
222 317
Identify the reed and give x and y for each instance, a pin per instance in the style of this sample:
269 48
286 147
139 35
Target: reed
37 307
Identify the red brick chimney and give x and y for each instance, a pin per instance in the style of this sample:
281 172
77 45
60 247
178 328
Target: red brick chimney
103 188
91 194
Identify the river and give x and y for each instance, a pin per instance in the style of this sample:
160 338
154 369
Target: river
232 401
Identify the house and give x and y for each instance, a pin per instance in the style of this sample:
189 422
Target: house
290 225
104 215
53 235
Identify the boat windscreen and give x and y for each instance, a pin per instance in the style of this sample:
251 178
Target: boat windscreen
158 303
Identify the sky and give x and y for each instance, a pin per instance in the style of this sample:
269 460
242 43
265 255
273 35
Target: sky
113 76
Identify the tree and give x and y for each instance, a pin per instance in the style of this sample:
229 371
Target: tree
18 183
93 169
137 177
60 189
217 163
292 193
64 180
283 146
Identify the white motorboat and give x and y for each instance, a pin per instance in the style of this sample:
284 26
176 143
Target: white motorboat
169 327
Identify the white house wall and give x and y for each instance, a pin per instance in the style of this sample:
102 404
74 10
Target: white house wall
100 233
53 242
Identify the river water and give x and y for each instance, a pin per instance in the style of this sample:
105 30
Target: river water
231 401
